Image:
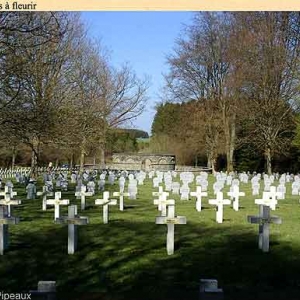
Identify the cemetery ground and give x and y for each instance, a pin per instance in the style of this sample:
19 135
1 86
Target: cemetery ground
127 258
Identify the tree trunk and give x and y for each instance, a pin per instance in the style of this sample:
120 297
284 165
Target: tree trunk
71 161
230 141
82 156
56 163
231 146
34 157
13 159
268 161
211 162
229 133
213 165
102 157
33 163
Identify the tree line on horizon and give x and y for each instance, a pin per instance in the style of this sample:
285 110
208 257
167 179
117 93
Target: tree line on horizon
230 100
60 96
231 97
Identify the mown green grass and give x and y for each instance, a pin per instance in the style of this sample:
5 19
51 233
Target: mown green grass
127 259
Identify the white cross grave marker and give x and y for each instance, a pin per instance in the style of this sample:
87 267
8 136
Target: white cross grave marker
7 201
199 195
5 220
45 193
274 195
219 202
9 191
264 220
73 220
82 194
121 196
105 202
171 220
235 194
163 202
266 200
57 202
160 194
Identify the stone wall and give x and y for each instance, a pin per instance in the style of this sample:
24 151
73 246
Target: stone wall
146 162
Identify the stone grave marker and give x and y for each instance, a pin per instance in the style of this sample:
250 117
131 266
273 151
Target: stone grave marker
255 189
198 179
209 290
73 178
282 180
101 184
85 176
204 185
111 178
281 190
31 190
151 174
58 181
168 184
175 188
185 192
91 187
171 220
140 178
73 221
122 183
49 185
132 190
267 183
46 289
217 186
295 188
155 182
235 182
229 180
130 177
64 185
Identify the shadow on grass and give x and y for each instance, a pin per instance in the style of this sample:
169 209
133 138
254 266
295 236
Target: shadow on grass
128 260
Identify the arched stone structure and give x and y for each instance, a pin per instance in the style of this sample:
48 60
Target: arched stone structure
146 162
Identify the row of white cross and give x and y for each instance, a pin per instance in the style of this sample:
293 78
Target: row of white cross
167 208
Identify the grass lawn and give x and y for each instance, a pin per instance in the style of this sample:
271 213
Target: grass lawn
127 259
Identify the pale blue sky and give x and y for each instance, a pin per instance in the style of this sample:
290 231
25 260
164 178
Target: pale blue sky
143 39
